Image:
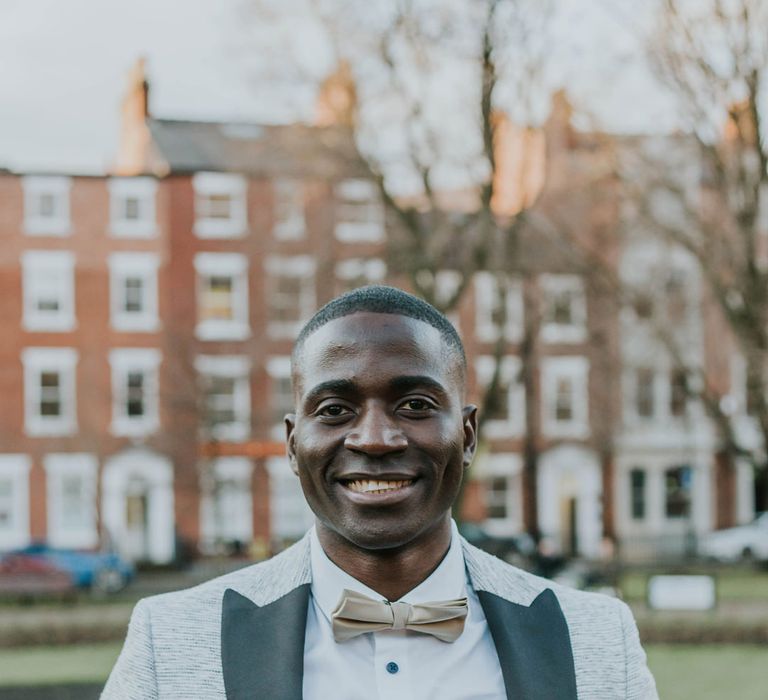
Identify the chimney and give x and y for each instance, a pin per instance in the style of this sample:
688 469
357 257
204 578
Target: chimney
134 156
337 100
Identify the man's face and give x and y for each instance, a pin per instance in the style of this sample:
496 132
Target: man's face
380 438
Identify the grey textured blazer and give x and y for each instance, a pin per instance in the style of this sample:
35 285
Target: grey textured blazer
242 636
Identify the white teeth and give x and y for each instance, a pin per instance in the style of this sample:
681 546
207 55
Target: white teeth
370 486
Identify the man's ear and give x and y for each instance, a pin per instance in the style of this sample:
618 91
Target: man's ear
290 441
469 414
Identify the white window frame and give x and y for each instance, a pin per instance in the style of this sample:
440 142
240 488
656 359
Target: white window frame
486 294
290 516
235 519
57 468
372 270
144 190
64 362
278 368
234 186
303 268
39 268
232 265
234 367
359 192
507 465
58 187
289 221
15 469
515 396
576 370
123 362
134 265
576 331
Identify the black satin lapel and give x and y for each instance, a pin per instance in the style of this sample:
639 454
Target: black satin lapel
533 645
262 648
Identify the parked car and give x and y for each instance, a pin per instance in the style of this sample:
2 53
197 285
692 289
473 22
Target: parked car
98 571
25 576
743 543
519 550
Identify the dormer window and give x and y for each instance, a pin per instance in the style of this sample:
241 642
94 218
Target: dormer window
220 209
132 207
46 205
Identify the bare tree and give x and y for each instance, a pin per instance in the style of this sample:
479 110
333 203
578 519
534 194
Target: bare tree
712 55
438 87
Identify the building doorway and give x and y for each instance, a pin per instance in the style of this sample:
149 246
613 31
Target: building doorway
137 506
569 501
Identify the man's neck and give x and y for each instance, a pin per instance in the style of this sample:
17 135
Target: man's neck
390 572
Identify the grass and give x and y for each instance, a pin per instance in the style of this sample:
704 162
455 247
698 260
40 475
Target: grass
682 672
709 672
81 663
732 584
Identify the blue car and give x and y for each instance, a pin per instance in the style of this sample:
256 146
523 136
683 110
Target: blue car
99 571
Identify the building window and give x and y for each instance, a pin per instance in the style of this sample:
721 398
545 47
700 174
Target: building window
503 492
280 394
291 294
14 501
290 223
135 389
290 516
226 507
49 391
226 397
220 208
49 290
222 296
677 491
676 296
359 272
565 397
507 412
133 291
637 493
359 212
645 394
491 315
565 309
71 500
132 207
678 393
46 205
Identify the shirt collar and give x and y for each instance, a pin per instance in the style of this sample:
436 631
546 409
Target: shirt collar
446 582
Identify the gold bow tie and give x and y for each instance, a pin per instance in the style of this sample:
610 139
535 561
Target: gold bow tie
357 614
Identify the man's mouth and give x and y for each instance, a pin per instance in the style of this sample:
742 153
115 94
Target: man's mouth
375 486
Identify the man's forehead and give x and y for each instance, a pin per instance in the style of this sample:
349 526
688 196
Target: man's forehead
374 335
364 329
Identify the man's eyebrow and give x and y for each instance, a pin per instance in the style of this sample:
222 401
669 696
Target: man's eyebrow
332 386
411 381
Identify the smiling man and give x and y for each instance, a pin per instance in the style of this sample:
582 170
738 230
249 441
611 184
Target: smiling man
382 598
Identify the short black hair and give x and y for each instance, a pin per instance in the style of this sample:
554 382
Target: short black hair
381 299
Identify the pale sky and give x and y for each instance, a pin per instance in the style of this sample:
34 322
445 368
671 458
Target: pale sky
63 67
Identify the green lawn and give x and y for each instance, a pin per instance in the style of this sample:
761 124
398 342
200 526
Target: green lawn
709 672
80 663
682 672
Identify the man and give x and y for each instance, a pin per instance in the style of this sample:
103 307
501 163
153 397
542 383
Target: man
382 599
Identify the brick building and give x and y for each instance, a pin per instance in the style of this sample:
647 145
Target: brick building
149 317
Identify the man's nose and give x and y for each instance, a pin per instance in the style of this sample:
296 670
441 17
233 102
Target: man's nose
375 433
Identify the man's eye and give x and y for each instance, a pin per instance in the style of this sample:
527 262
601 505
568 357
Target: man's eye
333 410
418 405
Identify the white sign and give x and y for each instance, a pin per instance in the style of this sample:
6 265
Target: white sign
681 592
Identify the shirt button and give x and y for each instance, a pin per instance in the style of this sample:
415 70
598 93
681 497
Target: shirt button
392 667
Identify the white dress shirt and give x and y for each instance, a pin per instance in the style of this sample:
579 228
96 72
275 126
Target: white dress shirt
398 665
